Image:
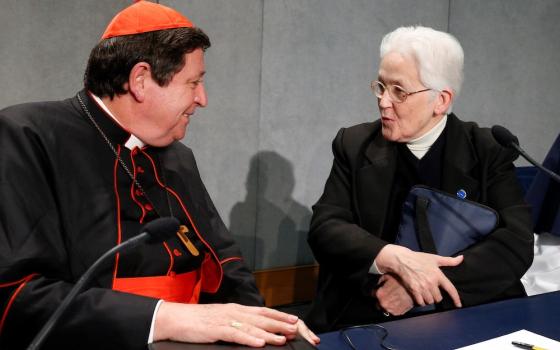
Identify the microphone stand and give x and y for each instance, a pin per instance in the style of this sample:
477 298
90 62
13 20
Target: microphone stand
41 336
532 161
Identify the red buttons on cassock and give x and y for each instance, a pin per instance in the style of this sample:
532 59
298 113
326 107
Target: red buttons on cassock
148 207
137 192
140 170
177 252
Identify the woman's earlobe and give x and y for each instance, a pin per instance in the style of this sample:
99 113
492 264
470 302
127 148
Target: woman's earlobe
445 99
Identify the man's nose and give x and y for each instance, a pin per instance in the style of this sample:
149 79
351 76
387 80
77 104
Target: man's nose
201 98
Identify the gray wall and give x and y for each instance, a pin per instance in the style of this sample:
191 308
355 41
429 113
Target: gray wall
285 75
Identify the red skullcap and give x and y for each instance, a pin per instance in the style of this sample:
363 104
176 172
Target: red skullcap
145 16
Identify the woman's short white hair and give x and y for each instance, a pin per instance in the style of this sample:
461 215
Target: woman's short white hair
439 56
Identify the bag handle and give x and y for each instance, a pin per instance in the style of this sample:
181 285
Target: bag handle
425 237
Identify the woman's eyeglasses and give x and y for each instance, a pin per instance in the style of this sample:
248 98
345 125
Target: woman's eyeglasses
397 93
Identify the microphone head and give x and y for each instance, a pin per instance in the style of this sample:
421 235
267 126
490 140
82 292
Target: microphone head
161 229
504 136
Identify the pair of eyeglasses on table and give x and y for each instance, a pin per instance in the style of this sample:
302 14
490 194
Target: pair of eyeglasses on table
379 332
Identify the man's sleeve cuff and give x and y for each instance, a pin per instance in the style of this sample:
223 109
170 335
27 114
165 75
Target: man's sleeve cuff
151 336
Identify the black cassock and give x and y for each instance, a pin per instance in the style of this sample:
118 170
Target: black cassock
66 200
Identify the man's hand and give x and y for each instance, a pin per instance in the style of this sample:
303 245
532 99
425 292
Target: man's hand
393 296
209 323
305 333
420 273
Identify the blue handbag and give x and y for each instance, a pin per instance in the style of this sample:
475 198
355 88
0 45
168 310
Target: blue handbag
437 222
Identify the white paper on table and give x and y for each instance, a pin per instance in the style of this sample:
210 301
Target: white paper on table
504 342
544 274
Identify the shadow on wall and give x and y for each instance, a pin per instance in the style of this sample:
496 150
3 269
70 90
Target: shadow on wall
243 219
278 220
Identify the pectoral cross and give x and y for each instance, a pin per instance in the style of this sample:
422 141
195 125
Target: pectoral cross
182 234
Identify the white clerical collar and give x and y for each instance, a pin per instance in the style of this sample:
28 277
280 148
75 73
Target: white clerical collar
421 145
133 141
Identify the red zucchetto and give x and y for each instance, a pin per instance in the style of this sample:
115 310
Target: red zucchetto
145 16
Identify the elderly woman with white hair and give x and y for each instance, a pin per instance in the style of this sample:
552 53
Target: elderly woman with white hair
364 276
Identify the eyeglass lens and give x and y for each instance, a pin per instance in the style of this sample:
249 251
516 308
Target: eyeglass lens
397 93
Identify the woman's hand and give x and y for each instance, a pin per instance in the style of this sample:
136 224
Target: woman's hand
419 273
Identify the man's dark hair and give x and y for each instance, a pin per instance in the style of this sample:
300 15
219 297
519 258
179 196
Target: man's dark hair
112 59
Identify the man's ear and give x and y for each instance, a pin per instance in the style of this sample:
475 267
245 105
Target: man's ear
444 100
138 80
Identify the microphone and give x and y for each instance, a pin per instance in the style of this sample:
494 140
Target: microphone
504 136
508 140
153 232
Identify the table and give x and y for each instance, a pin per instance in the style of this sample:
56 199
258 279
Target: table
296 344
456 328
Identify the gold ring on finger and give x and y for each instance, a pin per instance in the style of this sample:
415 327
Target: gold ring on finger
236 324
